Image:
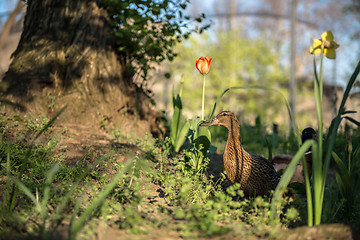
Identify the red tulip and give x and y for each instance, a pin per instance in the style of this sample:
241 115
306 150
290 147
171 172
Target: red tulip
203 65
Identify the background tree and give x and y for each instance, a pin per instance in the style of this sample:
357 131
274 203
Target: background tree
86 54
5 31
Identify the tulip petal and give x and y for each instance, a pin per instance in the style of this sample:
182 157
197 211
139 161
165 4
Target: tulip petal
203 65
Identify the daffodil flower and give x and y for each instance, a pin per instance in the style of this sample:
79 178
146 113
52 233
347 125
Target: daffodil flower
327 42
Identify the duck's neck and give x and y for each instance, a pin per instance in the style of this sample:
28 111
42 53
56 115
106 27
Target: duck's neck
234 152
234 137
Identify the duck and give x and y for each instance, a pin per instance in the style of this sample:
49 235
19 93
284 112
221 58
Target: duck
281 161
256 175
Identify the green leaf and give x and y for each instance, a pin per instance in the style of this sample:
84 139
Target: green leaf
27 192
203 137
353 121
49 178
340 184
335 123
181 137
340 164
286 177
176 120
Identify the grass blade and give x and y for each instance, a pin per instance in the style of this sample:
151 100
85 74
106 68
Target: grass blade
86 215
286 177
8 175
27 192
28 153
49 124
49 178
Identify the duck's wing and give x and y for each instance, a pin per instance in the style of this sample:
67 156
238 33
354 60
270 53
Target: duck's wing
266 168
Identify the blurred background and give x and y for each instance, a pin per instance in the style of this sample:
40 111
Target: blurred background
256 42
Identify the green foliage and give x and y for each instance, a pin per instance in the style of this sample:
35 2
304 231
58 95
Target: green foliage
320 170
77 224
286 177
40 204
174 193
321 156
178 129
188 200
199 137
35 123
145 32
347 178
50 202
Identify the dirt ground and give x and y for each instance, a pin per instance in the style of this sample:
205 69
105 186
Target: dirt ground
77 140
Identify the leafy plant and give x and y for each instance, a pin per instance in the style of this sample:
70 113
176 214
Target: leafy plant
178 129
146 31
13 194
321 153
347 178
41 205
35 123
198 136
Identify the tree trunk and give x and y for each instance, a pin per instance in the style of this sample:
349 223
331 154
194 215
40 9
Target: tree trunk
65 57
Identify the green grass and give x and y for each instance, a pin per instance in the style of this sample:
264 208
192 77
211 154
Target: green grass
148 195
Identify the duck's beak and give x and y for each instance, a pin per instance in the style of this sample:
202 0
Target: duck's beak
214 121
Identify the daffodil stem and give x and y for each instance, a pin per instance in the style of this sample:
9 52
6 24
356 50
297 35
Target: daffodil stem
321 72
318 180
203 98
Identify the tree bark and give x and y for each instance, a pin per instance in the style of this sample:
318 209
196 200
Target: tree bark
65 54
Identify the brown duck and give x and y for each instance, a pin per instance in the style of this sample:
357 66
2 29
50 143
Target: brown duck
255 174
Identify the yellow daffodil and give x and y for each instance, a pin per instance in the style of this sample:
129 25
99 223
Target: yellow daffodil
327 41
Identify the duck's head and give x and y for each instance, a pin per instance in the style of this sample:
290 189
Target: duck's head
308 133
225 118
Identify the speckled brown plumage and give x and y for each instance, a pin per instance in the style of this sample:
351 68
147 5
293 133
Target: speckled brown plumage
255 174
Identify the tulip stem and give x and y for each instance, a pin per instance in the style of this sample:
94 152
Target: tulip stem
203 98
